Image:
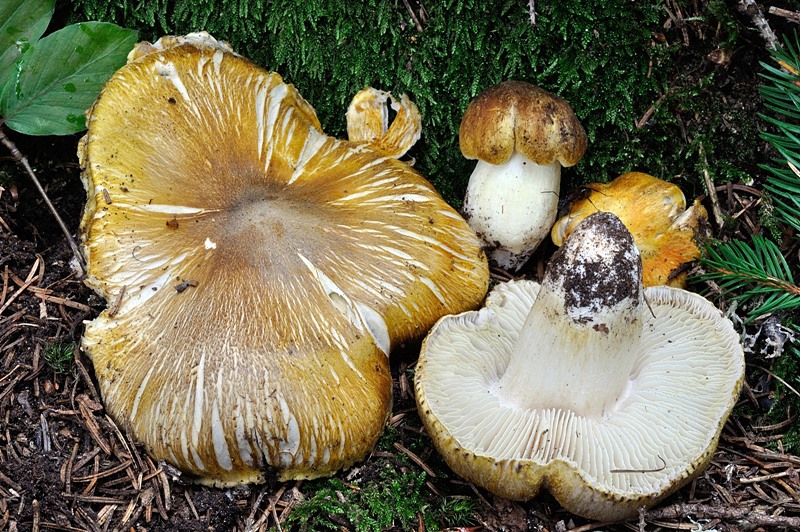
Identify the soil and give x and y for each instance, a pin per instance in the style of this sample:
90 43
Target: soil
65 465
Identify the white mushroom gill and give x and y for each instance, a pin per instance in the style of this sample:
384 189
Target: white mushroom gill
502 391
651 417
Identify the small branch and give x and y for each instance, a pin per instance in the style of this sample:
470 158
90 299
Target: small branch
768 372
532 11
649 113
794 16
21 159
745 518
414 17
712 190
749 7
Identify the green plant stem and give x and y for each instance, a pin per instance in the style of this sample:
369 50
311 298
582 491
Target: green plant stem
21 159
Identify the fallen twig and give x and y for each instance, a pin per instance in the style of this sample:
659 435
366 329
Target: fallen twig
742 516
712 191
21 159
752 9
649 113
28 281
416 459
794 16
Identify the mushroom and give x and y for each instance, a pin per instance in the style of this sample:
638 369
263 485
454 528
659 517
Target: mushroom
259 272
521 135
655 213
606 394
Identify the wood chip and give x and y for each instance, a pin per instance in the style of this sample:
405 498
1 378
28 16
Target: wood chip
28 281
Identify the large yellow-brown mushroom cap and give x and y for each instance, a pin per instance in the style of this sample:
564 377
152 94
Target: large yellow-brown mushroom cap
258 271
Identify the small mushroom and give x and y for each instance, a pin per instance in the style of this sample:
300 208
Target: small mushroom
609 395
655 213
309 258
521 135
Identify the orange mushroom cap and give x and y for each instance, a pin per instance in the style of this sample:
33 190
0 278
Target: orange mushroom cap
655 213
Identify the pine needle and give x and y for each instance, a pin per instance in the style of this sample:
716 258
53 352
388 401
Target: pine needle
757 275
781 93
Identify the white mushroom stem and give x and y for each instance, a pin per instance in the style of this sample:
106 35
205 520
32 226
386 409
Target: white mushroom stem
580 341
512 206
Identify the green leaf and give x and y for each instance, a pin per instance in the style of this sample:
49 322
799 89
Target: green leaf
60 76
21 22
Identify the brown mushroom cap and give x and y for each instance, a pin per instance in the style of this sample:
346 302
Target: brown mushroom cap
258 271
518 116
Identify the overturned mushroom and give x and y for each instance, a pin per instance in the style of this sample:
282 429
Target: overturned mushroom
606 394
261 270
655 213
521 135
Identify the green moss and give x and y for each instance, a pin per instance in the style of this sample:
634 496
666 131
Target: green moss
595 53
60 357
396 497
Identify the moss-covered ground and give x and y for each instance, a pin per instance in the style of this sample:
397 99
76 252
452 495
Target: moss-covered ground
667 87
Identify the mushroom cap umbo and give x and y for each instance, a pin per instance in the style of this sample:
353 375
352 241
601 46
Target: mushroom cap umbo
655 213
515 116
258 271
658 428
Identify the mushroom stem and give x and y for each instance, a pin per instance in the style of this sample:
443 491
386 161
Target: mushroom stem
586 324
512 206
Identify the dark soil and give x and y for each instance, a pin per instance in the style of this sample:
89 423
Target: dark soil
65 465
